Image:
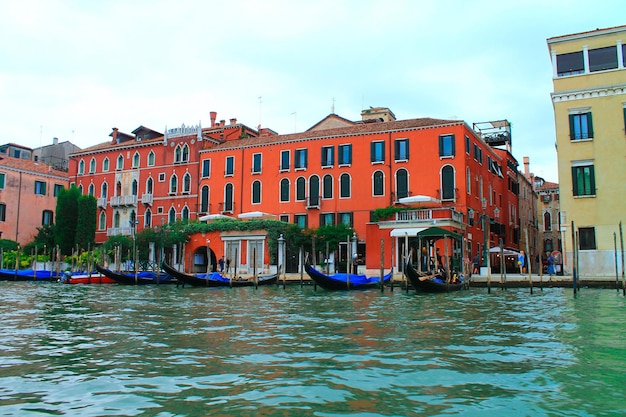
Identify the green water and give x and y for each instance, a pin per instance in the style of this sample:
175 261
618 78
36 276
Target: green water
166 351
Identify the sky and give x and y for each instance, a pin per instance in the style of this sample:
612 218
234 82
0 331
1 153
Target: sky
74 70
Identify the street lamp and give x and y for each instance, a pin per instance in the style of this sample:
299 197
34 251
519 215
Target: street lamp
281 254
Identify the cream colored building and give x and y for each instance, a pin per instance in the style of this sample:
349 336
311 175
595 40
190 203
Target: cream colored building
589 99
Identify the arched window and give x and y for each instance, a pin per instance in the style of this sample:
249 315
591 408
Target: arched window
173 184
327 186
102 221
136 160
378 183
118 188
92 166
447 183
177 154
91 190
256 192
151 158
185 153
300 189
402 183
284 190
172 215
80 188
104 190
149 185
547 221
187 183
185 213
228 197
147 218
547 245
344 186
204 199
116 219
134 187
468 179
120 163
105 165
81 167
314 190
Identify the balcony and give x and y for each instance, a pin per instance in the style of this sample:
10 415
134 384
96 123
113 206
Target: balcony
147 199
313 202
102 202
123 200
120 231
427 217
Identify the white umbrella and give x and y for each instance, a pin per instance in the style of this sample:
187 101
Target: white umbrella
256 215
419 199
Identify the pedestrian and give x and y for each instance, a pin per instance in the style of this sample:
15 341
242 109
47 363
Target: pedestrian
476 262
550 260
221 263
521 260
227 265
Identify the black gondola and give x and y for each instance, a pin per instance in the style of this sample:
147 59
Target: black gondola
215 279
141 278
344 281
432 283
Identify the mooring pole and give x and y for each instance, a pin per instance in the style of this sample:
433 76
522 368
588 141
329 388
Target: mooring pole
574 262
382 265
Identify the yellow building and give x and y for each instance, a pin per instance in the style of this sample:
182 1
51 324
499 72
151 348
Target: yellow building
589 99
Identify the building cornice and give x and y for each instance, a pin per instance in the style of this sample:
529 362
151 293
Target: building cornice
572 95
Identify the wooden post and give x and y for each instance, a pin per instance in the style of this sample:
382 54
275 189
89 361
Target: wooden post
574 262
615 252
254 271
382 265
502 262
35 266
621 244
540 266
530 278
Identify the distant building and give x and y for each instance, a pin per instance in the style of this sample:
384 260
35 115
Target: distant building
589 99
16 151
529 236
28 192
56 154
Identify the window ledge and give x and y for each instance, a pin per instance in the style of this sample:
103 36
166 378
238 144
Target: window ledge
581 140
585 196
378 162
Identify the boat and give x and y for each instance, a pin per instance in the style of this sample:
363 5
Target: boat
435 282
139 278
341 281
215 279
27 275
93 278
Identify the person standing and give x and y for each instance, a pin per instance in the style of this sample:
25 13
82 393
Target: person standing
227 265
521 261
221 263
476 262
550 261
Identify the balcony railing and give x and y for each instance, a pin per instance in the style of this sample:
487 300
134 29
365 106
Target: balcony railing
313 202
429 215
147 199
120 231
102 202
123 200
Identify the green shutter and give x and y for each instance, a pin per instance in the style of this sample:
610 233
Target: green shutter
592 180
571 127
453 145
574 182
589 126
440 146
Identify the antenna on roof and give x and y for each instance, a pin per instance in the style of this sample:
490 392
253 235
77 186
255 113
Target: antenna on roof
260 109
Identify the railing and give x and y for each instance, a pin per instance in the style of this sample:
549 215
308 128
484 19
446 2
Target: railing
147 198
102 202
119 231
123 200
429 215
313 202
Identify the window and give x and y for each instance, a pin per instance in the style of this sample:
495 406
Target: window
583 180
92 165
300 220
284 218
327 186
447 183
161 176
344 154
206 168
256 163
178 155
284 190
344 186
147 219
57 189
446 146
171 216
300 189
468 180
204 199
580 126
105 165
102 221
378 185
314 191
401 149
116 219
151 158
40 188
602 58
300 159
120 163
136 160
586 238
2 180
402 184
3 212
81 167
327 219
230 166
91 190
345 218
285 157
570 64
547 221
256 192
478 154
149 185
134 188
328 156
228 197
187 183
377 152
47 217
468 145
173 184
185 214
185 155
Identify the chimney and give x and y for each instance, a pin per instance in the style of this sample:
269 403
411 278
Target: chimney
526 166
213 117
55 141
233 121
114 134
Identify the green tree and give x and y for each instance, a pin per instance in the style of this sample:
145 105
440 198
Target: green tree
66 219
44 238
86 222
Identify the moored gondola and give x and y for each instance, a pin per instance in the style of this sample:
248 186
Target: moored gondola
215 279
27 275
139 278
342 281
433 282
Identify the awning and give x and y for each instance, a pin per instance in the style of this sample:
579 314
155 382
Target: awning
419 200
507 252
438 232
256 215
216 216
407 231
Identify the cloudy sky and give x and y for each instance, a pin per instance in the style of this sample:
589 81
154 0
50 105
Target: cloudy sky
76 69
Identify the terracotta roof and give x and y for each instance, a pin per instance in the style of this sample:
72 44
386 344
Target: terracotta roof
30 166
547 185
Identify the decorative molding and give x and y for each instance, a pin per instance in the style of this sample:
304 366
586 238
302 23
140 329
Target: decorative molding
562 96
183 131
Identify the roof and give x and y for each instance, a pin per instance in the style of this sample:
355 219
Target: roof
586 34
30 166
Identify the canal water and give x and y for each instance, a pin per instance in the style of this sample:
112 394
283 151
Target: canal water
164 351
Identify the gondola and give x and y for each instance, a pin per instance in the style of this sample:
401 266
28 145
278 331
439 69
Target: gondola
343 281
27 275
141 278
432 283
215 279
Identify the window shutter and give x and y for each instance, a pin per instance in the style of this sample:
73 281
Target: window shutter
592 180
382 148
574 182
571 127
453 139
589 126
407 148
372 151
440 146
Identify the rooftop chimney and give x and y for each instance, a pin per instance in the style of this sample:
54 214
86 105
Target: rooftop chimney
213 117
233 121
114 134
526 166
55 141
